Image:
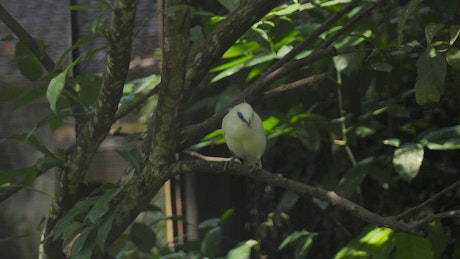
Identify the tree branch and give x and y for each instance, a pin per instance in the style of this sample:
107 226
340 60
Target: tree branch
294 85
119 36
160 144
307 191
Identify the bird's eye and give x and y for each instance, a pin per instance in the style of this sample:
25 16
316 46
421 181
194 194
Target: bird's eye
240 115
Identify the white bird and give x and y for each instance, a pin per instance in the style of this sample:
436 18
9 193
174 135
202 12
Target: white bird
244 134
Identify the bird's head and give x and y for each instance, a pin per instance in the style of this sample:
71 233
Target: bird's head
245 113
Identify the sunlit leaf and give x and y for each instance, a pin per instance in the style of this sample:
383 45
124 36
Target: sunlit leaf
232 63
242 251
270 123
454 32
431 72
443 139
407 160
373 243
241 49
453 57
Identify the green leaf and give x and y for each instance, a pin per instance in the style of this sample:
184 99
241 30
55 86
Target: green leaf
132 156
102 205
410 246
233 63
454 32
32 141
431 72
443 139
292 238
453 58
406 12
407 160
431 30
352 178
438 238
79 209
303 247
56 86
241 49
46 163
227 214
83 245
374 243
54 90
196 34
7 175
230 5
211 242
27 62
243 251
142 236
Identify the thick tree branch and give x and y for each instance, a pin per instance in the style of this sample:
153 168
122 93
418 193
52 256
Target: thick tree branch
119 36
308 192
160 145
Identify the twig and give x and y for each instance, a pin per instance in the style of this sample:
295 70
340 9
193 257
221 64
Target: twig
291 86
210 158
430 200
137 103
438 216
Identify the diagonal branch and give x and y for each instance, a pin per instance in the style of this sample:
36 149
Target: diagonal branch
119 36
308 192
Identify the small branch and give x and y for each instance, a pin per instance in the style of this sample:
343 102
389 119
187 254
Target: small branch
438 195
294 85
438 216
210 158
137 103
26 38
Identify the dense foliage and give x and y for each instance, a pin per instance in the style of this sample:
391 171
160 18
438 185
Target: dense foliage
366 106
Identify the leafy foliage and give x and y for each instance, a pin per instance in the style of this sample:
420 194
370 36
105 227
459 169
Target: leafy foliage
382 129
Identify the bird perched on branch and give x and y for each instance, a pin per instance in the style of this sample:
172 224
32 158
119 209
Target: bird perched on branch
244 134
